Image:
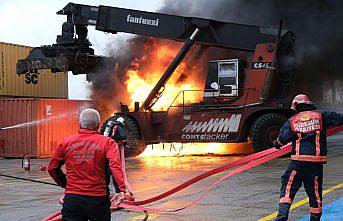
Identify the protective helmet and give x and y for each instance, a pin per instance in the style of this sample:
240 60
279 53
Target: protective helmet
120 120
300 99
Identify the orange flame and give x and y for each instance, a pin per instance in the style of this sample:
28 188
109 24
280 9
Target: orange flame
143 74
178 149
147 70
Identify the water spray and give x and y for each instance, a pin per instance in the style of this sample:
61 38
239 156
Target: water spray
24 124
37 122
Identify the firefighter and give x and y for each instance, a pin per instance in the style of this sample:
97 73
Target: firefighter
118 132
85 156
119 135
307 132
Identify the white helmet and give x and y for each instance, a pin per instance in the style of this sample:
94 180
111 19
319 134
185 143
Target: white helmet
120 120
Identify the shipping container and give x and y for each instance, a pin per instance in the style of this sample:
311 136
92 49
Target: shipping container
43 84
39 125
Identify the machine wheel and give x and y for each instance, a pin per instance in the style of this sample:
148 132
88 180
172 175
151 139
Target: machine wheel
135 145
265 130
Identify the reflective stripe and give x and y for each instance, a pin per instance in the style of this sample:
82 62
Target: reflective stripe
279 142
316 186
309 158
286 200
297 144
315 210
317 143
289 184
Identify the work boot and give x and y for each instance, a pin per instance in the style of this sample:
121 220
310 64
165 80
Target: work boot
281 217
315 216
283 212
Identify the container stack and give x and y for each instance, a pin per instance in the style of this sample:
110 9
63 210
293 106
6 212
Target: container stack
34 108
41 85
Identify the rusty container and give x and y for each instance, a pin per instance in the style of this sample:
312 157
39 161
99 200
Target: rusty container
43 84
39 125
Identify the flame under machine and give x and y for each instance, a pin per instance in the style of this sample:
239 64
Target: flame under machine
236 101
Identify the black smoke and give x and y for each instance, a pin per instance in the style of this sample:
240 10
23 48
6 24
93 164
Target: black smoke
318 25
108 88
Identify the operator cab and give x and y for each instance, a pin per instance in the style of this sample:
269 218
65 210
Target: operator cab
222 80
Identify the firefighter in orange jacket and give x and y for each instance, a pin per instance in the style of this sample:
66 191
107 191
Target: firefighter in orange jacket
307 132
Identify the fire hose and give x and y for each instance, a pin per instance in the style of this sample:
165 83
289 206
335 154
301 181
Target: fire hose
26 179
123 165
249 162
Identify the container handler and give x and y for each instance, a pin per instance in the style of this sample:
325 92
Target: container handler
242 99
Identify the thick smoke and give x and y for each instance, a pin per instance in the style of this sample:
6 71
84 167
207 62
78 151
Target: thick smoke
109 88
318 25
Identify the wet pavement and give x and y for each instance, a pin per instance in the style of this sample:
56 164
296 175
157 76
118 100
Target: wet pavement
251 195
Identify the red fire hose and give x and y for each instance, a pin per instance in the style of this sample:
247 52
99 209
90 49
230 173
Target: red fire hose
123 167
250 161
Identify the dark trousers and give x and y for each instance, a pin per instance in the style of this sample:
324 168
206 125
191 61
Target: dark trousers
298 173
83 208
115 184
108 176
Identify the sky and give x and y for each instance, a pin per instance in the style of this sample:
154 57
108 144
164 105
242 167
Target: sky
35 23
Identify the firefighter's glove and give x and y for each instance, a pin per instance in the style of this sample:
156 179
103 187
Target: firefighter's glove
276 144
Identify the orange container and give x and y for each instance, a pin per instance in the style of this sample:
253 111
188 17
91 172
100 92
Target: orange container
41 125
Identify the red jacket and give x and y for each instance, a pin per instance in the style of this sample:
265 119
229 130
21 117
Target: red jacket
85 156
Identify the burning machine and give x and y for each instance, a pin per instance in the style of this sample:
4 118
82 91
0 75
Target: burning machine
242 99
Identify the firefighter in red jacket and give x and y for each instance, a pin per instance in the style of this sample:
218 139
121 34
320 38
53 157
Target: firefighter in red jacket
307 132
85 156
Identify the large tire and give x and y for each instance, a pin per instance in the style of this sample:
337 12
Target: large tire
135 145
265 130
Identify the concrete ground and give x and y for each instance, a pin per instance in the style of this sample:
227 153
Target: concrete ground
251 195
